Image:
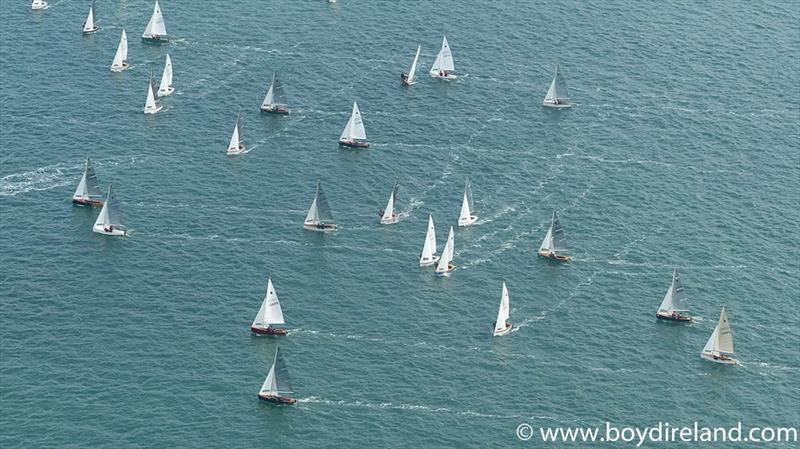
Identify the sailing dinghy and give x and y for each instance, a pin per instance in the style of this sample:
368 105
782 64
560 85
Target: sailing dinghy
354 134
319 216
277 386
554 244
428 256
719 347
119 63
443 65
156 30
90 26
410 78
501 325
388 215
151 106
674 302
270 313
236 146
88 192
165 88
275 101
445 265
557 96
39 5
109 222
467 216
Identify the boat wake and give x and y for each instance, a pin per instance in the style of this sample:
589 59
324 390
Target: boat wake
409 407
44 178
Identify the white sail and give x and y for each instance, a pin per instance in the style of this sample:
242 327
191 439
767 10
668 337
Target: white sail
503 312
711 344
355 126
270 385
557 93
313 213
721 340
465 217
156 26
270 311
320 210
444 60
675 300
165 88
233 146
429 248
388 212
110 213
88 187
413 71
547 243
277 381
150 105
88 26
122 53
269 100
447 254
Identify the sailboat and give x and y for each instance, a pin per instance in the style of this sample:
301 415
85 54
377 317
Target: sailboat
445 264
674 302
467 216
443 67
554 244
109 222
151 106
165 88
88 192
39 5
270 313
719 347
557 96
119 63
354 134
274 102
410 78
236 146
156 30
277 386
319 216
388 215
428 256
501 325
90 26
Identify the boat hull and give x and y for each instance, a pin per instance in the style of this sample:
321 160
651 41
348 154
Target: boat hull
392 220
154 110
718 359
268 331
125 66
327 227
447 272
469 221
280 400
556 257
669 317
40 7
354 144
447 77
155 40
277 111
505 331
99 229
557 106
240 150
92 31
87 203
164 93
430 262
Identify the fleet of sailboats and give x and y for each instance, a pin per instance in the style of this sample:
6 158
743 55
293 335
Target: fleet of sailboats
236 146
445 264
156 30
554 245
39 5
501 325
275 101
719 347
151 105
388 214
88 192
277 387
165 88
109 222
354 134
269 314
467 215
675 303
121 56
557 96
428 256
443 66
319 216
410 78
90 25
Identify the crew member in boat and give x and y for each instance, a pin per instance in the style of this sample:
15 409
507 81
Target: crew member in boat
404 77
110 228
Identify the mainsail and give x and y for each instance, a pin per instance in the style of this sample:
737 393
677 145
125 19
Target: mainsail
270 311
388 213
165 88
88 187
675 300
355 126
558 88
502 313
110 214
88 26
429 248
466 204
150 103
320 211
721 340
413 71
122 53
275 95
277 381
233 146
444 60
447 254
156 26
